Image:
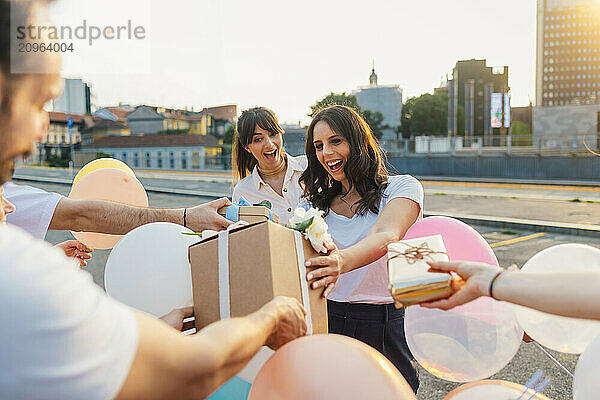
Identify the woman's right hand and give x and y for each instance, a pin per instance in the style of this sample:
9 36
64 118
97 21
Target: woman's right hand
329 271
477 278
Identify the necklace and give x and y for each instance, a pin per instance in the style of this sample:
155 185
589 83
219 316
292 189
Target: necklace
275 171
350 206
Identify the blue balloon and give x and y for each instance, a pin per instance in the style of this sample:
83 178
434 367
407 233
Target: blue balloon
234 389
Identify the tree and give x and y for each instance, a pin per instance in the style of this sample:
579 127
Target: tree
425 115
521 134
331 99
375 121
373 118
228 137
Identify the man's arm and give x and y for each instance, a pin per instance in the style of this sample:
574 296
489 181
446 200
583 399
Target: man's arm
168 365
114 218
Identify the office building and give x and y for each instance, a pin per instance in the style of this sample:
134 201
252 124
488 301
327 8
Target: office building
476 88
75 98
567 52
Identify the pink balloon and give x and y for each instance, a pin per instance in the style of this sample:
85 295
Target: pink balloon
463 243
329 367
107 184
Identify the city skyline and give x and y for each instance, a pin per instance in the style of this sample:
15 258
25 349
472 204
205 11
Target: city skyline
287 56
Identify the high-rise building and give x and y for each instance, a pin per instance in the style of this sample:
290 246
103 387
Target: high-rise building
387 99
75 98
567 52
476 87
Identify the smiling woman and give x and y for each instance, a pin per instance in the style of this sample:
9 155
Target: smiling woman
365 209
260 161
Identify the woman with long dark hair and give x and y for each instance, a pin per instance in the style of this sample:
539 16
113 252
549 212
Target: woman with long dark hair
260 161
365 209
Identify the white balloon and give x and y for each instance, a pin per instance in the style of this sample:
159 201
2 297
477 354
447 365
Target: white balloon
493 390
149 269
586 385
467 343
567 335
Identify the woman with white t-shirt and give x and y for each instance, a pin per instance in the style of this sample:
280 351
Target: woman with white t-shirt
260 161
365 210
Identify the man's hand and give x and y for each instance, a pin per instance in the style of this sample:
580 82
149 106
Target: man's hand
205 216
175 318
76 250
290 323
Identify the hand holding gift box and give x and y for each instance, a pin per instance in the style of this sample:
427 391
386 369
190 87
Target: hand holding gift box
251 213
410 279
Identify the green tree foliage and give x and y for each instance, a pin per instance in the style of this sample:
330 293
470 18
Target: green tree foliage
425 115
521 134
100 154
228 137
173 132
332 99
375 121
373 118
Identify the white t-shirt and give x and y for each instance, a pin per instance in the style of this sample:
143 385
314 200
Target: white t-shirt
368 284
255 190
34 208
61 336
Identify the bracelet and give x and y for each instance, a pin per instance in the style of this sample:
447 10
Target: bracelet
491 289
184 216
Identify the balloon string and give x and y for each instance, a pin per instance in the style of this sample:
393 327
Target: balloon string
416 253
554 360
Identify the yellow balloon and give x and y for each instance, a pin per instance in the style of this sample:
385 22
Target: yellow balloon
102 163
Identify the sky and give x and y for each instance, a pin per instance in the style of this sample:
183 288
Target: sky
288 54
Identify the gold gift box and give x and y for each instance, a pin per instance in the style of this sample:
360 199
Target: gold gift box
409 278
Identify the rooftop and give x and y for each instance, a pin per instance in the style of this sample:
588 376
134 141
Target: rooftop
154 141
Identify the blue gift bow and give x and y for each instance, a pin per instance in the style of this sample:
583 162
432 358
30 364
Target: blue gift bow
232 212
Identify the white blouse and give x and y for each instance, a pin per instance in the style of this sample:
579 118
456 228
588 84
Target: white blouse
255 190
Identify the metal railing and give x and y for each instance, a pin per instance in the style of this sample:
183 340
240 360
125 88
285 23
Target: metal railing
478 145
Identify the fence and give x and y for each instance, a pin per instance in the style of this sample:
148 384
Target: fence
543 145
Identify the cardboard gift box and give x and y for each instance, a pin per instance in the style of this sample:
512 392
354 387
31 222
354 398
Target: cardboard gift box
250 214
410 281
236 272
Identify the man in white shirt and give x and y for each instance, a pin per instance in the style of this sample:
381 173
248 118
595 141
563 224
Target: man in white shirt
38 211
61 337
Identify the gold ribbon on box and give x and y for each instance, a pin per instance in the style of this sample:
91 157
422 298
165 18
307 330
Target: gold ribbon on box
416 253
422 286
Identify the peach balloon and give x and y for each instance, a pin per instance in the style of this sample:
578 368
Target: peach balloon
107 184
102 163
329 367
493 390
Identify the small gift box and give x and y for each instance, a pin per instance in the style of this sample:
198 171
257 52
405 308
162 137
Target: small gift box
244 211
410 281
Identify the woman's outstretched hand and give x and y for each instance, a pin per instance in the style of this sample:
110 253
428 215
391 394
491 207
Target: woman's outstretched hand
476 280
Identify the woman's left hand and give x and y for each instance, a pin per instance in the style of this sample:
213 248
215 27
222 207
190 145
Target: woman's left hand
329 271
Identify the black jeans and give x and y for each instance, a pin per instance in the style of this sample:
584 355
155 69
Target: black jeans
381 326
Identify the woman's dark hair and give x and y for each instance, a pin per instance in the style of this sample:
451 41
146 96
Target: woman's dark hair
364 168
242 161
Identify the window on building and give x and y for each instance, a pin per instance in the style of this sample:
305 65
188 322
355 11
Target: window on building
148 160
136 159
159 159
171 160
183 160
